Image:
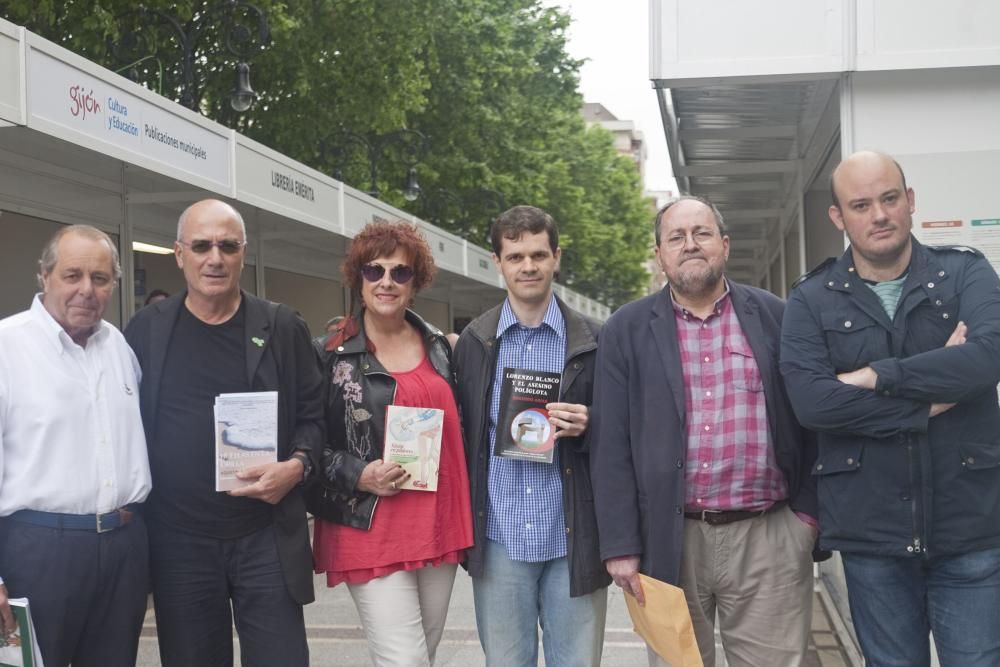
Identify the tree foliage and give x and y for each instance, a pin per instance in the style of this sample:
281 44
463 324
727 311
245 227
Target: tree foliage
488 81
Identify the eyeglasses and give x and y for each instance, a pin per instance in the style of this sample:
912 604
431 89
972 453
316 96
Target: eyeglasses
400 274
202 246
701 238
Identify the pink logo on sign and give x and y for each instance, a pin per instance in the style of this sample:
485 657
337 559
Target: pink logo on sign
83 102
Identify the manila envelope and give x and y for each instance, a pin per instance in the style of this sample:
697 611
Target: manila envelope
665 622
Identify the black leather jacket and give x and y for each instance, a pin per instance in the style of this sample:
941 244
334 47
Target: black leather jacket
359 389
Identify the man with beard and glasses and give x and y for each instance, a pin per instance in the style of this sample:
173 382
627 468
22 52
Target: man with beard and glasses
891 352
700 471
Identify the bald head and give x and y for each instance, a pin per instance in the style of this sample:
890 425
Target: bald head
859 164
212 209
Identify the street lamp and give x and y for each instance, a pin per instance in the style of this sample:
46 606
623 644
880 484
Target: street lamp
242 28
411 144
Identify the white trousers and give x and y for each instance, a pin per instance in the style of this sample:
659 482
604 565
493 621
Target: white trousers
403 614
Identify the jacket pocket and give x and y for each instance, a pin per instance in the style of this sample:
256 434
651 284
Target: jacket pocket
842 493
979 455
854 339
843 458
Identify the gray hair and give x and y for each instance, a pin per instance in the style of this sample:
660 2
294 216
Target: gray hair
236 216
719 221
50 253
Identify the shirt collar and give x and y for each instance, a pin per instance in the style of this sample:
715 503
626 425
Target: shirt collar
716 308
553 318
54 332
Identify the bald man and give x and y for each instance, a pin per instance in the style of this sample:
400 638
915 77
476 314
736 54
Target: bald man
245 553
892 354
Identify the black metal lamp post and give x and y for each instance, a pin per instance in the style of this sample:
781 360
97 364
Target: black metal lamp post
242 28
411 145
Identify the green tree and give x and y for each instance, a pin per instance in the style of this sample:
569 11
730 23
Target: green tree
488 81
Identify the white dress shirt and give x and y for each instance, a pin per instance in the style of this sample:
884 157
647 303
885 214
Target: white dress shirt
71 437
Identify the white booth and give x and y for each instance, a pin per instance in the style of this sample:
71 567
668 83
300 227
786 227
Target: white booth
80 144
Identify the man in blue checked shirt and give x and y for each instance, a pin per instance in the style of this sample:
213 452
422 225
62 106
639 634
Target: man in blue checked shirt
535 531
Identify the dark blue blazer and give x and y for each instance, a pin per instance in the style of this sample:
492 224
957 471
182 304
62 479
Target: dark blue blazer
639 445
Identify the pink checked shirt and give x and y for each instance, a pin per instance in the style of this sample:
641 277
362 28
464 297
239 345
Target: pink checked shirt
730 460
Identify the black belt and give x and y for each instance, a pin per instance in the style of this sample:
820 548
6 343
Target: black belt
97 523
722 517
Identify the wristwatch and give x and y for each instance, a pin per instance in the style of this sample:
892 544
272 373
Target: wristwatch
303 458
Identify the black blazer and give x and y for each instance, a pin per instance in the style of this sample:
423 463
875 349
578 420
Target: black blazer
285 363
639 446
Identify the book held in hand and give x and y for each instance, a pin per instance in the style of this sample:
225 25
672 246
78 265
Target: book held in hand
523 429
246 435
20 649
413 440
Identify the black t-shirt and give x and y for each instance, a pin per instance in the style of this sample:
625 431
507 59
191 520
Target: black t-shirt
203 361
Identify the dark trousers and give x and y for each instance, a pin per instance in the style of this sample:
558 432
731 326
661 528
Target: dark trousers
87 591
202 584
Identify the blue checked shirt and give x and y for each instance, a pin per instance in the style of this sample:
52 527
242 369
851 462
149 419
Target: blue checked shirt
525 497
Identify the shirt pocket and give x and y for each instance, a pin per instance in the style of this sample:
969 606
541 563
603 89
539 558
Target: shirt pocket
853 339
743 367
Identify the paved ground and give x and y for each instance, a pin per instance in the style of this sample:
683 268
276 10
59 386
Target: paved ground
335 637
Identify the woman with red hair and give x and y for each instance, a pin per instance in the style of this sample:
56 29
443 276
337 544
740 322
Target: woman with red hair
397 550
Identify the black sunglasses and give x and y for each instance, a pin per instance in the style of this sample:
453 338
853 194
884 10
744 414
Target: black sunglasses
227 246
400 274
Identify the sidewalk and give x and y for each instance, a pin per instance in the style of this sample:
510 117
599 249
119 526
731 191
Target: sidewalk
335 637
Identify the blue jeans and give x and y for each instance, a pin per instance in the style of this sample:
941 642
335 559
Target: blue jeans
897 602
201 585
513 598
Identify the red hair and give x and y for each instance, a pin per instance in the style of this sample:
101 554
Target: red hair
381 239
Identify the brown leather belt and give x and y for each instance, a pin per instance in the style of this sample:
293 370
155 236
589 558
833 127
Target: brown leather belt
722 517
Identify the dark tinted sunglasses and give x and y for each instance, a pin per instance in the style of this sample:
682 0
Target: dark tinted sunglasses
400 274
226 246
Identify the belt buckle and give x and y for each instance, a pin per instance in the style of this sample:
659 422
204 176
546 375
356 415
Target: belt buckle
709 512
100 528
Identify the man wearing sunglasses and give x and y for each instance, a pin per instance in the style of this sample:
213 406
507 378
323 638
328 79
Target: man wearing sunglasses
534 527
244 553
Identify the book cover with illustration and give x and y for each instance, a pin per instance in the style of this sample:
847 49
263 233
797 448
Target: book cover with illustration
246 435
19 649
523 430
413 440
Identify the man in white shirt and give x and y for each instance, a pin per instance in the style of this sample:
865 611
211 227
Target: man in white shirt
73 462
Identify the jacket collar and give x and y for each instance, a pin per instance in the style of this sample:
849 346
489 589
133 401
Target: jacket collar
258 322
924 273
580 333
359 343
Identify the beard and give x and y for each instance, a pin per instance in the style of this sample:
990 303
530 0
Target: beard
696 282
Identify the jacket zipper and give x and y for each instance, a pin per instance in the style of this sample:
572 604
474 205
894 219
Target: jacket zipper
354 501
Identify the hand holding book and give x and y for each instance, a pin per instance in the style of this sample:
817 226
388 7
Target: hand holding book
570 419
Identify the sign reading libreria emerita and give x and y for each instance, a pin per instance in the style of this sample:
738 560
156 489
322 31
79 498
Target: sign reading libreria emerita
69 103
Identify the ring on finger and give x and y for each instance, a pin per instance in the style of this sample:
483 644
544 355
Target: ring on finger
393 485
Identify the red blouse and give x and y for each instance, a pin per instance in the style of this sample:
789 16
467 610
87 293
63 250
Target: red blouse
411 529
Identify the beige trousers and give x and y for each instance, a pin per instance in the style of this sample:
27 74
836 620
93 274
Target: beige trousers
403 614
757 574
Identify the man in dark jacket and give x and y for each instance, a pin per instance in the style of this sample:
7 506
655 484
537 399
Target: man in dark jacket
245 553
700 469
533 522
892 354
